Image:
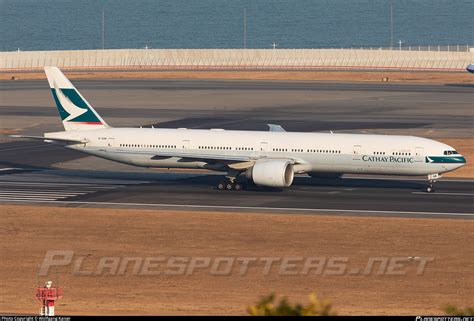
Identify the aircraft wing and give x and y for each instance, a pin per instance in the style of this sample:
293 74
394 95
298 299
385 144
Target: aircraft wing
237 162
51 139
203 157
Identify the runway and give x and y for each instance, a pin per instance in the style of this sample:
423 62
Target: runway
29 171
190 191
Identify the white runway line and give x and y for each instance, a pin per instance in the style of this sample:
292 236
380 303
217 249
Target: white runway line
18 190
46 193
64 191
27 199
32 184
443 180
62 188
67 194
52 196
256 208
435 193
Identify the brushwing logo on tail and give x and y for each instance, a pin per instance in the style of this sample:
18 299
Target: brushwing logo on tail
73 110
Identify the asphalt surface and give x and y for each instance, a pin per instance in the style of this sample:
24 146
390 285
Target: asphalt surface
190 191
29 174
249 105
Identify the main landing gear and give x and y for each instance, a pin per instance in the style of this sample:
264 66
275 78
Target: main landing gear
431 180
229 186
230 183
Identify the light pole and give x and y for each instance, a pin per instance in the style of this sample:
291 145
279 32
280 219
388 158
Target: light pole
245 28
103 30
391 24
400 44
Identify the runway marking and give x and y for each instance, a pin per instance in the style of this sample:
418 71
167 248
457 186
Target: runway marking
55 188
23 182
435 193
46 184
443 180
41 193
256 208
51 186
44 191
27 199
35 196
34 193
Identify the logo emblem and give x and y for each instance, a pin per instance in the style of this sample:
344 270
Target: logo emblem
73 110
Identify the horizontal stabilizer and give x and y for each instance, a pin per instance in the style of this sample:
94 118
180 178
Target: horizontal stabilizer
50 139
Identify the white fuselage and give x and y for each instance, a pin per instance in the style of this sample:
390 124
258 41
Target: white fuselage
313 152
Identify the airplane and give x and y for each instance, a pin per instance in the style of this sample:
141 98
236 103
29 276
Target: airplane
264 158
470 68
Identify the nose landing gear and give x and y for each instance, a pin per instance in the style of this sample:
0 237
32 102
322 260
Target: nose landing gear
429 188
431 180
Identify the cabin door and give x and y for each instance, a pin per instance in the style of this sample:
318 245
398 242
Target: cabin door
419 154
110 142
357 152
185 144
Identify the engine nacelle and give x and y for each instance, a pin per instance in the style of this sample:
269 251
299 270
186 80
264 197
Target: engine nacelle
272 173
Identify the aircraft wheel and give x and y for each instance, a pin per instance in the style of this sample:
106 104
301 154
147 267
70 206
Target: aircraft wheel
229 186
221 186
238 187
430 189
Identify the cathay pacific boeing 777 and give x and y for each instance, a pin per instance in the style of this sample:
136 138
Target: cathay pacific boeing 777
269 158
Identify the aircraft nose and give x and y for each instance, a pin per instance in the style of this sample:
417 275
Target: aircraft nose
459 161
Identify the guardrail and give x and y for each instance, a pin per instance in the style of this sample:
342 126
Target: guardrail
237 59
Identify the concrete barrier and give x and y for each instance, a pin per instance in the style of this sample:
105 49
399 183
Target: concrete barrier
237 59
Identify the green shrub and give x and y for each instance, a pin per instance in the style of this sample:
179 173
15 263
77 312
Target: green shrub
456 312
267 307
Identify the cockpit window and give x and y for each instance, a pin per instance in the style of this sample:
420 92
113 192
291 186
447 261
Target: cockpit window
450 152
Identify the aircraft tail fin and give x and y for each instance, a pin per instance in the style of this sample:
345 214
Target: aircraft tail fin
74 110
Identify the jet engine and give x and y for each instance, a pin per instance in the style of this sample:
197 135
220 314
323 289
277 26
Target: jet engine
271 173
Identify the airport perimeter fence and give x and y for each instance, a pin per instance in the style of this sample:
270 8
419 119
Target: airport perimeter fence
453 48
238 59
